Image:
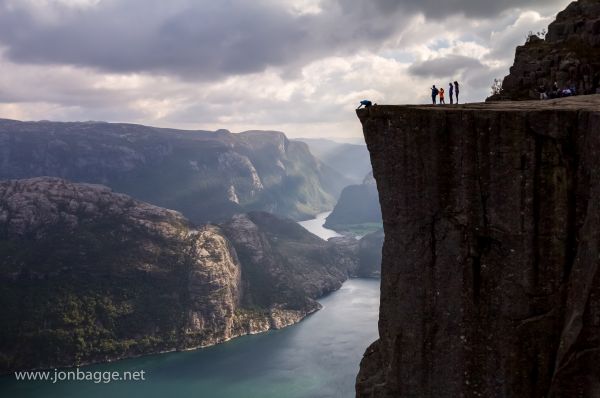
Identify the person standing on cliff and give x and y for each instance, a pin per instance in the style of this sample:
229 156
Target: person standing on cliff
451 91
434 93
456 90
442 98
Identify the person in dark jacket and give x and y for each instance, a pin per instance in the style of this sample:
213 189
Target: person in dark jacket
434 93
456 90
365 103
451 93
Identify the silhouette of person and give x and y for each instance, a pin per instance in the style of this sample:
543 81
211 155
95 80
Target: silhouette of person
434 93
456 90
365 103
451 92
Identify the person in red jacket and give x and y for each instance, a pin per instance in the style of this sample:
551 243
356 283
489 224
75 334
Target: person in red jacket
442 98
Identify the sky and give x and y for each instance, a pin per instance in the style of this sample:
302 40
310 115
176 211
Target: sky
298 66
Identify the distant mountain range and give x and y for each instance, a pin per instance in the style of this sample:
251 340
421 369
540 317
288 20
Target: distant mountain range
350 160
208 176
95 267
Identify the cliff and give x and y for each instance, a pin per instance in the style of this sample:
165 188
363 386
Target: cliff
490 284
89 275
207 176
569 55
357 210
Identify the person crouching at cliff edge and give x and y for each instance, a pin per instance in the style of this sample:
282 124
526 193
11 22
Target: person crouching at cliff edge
365 103
442 98
434 93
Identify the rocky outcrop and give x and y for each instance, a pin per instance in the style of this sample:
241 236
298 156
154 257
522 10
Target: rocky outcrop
207 176
89 275
490 284
569 55
284 263
369 254
357 210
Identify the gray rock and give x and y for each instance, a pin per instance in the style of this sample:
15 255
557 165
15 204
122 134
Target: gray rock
490 284
569 55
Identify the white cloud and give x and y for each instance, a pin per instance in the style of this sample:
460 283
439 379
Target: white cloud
316 97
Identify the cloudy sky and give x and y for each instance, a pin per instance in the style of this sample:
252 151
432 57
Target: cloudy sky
298 66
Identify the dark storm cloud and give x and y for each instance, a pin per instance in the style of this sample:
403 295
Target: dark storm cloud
469 8
210 39
192 39
445 66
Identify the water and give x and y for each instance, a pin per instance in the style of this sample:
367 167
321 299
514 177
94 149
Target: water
318 357
316 226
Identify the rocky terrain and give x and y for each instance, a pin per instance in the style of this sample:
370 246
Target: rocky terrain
569 55
89 275
357 209
208 176
490 284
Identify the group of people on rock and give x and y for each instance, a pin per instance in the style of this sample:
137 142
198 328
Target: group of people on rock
555 92
453 90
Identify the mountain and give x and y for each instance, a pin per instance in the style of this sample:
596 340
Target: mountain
89 275
357 209
283 262
350 160
568 55
369 254
366 251
490 278
208 176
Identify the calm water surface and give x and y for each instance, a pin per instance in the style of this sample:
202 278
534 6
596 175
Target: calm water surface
318 357
316 226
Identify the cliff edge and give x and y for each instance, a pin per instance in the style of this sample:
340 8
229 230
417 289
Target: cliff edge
490 284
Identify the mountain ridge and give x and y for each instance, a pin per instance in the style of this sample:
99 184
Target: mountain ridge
208 176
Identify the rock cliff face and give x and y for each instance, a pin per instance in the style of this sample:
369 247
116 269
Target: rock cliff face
357 209
569 55
490 284
89 275
283 263
208 176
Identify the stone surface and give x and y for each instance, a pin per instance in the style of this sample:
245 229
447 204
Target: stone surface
490 282
569 55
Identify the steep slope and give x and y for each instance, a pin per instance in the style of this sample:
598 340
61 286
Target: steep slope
285 263
369 254
569 55
350 160
490 282
208 176
88 275
357 209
